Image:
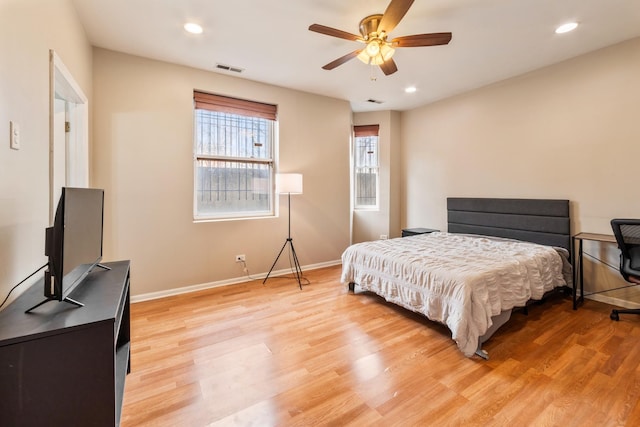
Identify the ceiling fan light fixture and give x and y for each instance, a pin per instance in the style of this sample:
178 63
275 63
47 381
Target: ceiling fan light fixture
376 52
362 56
373 47
377 60
387 51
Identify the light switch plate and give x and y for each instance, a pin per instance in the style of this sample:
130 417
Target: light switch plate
14 138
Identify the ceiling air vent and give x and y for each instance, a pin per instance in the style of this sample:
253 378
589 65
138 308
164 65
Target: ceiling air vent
229 68
375 101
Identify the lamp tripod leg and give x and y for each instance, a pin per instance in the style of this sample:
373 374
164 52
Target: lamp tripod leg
296 263
298 270
274 262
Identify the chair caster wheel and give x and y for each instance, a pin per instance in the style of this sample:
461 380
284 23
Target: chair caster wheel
614 315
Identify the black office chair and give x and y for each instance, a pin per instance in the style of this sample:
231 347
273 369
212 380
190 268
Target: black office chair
627 232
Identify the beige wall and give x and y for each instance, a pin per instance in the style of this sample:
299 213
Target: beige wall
143 158
568 131
28 29
369 224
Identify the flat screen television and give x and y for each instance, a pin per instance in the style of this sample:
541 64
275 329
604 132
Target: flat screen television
73 243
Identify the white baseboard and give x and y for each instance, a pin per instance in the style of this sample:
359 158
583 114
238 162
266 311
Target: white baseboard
613 301
193 288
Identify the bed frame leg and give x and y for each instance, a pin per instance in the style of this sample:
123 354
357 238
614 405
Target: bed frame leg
352 287
482 353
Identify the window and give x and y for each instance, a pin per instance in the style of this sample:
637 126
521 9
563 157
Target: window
234 157
366 166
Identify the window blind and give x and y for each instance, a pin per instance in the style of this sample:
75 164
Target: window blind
366 130
225 104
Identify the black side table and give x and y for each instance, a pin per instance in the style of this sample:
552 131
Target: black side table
413 231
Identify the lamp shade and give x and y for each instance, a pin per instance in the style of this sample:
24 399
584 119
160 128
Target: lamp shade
289 183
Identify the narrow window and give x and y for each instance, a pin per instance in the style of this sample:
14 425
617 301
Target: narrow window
366 166
234 144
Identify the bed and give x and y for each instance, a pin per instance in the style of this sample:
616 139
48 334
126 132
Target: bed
497 255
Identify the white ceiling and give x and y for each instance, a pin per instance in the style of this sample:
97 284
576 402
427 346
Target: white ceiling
492 40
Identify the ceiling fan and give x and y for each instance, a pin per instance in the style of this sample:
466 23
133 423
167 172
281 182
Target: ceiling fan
374 30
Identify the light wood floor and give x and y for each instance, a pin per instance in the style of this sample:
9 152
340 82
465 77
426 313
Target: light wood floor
275 355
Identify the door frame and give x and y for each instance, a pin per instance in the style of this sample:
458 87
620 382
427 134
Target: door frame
63 86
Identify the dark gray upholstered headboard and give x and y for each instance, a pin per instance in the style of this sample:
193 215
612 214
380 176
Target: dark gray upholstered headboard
533 220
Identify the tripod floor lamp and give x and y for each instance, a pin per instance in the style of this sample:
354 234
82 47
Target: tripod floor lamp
289 183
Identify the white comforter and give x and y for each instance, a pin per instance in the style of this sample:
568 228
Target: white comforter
456 279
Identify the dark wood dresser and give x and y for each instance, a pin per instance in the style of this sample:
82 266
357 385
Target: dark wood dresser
63 365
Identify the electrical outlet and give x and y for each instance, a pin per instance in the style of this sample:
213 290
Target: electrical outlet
240 258
383 237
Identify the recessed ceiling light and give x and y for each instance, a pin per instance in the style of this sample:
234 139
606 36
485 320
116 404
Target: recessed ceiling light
193 28
565 28
411 89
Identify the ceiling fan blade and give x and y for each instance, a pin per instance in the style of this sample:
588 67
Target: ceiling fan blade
417 40
394 13
333 32
333 64
388 67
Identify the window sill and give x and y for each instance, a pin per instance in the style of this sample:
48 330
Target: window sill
227 219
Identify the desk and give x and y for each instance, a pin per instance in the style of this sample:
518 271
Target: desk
576 261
